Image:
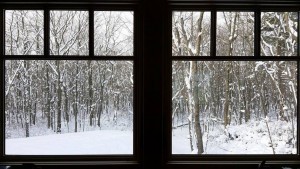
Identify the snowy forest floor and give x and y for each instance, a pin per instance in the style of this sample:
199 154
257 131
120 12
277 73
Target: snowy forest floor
114 136
249 138
83 143
124 122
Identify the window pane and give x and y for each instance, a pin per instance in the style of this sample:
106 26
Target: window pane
279 33
69 33
24 32
114 33
191 33
67 107
235 107
235 34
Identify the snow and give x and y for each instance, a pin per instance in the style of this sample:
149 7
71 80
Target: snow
248 138
190 117
258 64
83 143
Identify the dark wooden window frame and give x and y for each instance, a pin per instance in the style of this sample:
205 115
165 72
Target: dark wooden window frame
192 160
130 160
152 76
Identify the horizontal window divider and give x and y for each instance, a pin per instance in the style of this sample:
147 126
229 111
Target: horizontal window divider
233 158
209 162
71 163
234 58
86 5
231 4
23 7
75 159
207 7
245 156
31 57
221 162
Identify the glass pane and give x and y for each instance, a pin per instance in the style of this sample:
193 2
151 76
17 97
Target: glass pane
279 33
24 32
68 107
234 107
69 33
191 33
114 33
235 34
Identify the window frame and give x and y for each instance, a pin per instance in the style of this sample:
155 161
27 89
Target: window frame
153 67
177 5
120 159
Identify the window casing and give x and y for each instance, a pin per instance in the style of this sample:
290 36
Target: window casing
46 55
153 62
215 57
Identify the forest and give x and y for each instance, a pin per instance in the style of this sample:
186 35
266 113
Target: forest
217 105
236 106
45 97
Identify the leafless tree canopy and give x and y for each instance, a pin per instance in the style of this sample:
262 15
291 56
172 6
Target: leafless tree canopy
113 33
24 32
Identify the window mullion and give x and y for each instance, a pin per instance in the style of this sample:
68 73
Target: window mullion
257 19
153 80
213 33
298 39
91 33
1 84
46 33
298 97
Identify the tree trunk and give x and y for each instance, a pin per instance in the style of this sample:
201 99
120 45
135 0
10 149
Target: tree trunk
227 97
194 79
59 85
26 98
90 99
48 98
233 34
76 100
282 83
100 105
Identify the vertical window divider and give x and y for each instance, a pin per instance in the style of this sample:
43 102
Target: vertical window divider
298 91
46 32
91 33
2 20
213 33
298 38
168 78
257 20
137 99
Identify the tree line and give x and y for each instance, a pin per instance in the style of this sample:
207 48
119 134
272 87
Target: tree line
61 91
67 95
232 92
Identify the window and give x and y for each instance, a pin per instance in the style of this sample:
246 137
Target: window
236 106
245 107
234 77
133 61
69 83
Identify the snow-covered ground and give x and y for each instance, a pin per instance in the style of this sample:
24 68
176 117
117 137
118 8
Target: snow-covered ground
249 138
82 143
